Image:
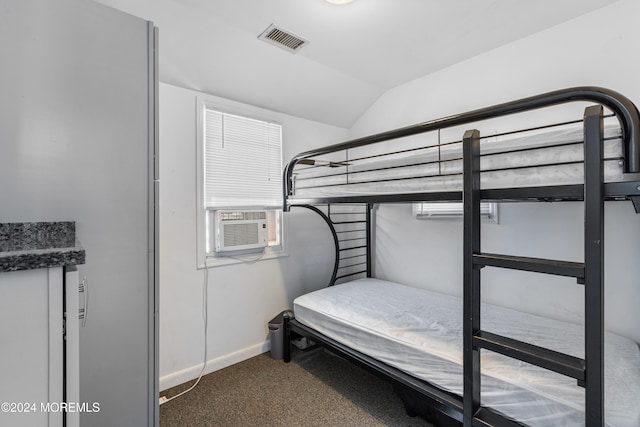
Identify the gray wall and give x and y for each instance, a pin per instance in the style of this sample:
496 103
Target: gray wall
73 146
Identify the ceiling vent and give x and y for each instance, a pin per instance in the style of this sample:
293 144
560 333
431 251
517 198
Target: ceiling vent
282 38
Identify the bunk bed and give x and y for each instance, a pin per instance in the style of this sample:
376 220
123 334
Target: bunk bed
429 345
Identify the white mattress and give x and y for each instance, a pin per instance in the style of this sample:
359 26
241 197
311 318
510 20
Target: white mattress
420 332
526 172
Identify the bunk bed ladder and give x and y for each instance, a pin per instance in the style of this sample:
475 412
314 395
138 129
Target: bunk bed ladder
589 372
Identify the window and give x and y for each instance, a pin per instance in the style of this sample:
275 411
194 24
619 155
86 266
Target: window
488 211
239 176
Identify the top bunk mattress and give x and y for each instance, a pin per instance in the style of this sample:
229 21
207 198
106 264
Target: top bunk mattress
536 158
420 333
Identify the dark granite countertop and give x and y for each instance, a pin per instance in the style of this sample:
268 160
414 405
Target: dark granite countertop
31 245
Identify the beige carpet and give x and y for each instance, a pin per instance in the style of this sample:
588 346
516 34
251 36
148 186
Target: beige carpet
315 389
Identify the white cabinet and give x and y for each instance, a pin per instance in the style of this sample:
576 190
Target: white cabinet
33 347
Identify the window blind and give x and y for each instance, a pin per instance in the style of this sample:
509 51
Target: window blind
243 161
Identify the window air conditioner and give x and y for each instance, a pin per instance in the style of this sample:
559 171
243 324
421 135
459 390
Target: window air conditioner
239 230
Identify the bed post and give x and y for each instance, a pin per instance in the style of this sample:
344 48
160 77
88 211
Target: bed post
471 301
369 237
594 263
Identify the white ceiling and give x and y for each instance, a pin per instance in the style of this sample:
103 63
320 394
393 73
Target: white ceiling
356 51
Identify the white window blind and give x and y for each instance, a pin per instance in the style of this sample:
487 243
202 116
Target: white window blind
243 162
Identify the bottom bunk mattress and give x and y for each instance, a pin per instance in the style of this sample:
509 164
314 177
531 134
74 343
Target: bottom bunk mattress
420 333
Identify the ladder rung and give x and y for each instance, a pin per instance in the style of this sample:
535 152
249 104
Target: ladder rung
537 265
486 417
549 359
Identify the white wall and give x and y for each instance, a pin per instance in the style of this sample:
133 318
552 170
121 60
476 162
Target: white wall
596 49
242 297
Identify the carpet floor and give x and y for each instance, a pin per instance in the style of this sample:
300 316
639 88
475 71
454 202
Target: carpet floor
316 389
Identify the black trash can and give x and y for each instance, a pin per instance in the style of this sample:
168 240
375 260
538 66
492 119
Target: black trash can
276 334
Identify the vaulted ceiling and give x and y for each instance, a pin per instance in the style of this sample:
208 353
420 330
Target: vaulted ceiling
355 53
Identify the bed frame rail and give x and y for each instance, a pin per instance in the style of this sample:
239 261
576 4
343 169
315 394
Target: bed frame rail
621 106
447 403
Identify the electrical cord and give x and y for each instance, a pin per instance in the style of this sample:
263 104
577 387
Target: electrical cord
205 318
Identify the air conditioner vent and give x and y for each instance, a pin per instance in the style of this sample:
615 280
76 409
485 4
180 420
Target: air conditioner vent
282 38
240 230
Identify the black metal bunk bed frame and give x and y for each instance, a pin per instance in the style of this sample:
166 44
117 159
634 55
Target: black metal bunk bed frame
589 372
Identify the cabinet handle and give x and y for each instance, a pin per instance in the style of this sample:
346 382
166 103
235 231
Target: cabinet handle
83 312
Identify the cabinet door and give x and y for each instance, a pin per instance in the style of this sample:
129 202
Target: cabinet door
31 357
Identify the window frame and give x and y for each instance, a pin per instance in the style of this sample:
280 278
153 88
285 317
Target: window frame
204 259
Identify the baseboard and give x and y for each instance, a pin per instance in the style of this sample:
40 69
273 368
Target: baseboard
191 373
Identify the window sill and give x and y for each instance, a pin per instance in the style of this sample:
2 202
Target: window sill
245 258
